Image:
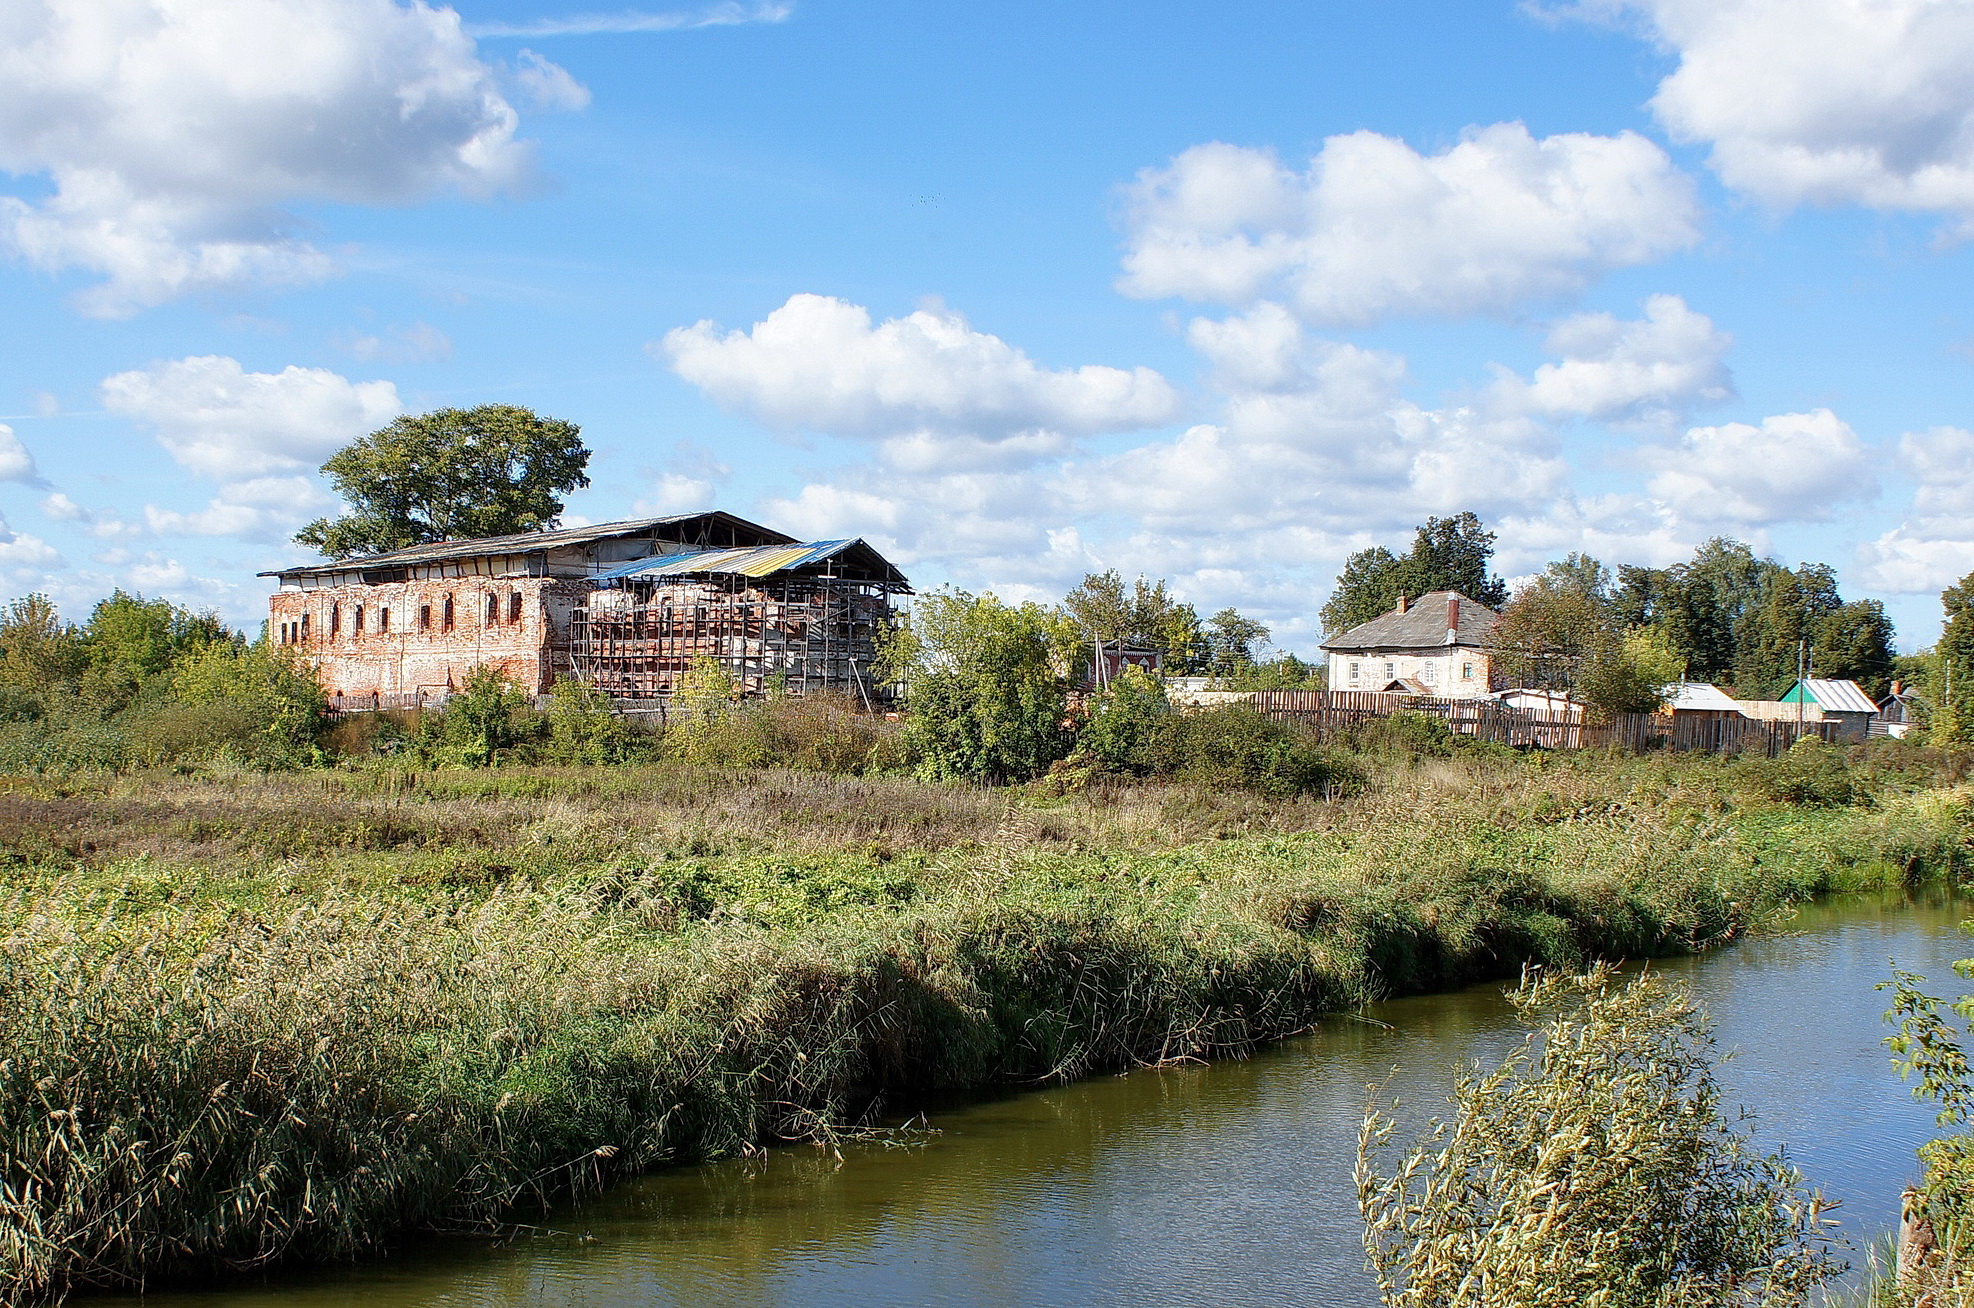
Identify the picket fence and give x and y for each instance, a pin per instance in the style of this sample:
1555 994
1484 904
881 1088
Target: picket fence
1328 713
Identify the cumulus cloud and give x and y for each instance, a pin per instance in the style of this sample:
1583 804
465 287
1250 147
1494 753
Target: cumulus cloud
16 464
817 363
1794 467
1865 102
103 526
222 421
1933 546
1374 229
1655 368
24 559
175 132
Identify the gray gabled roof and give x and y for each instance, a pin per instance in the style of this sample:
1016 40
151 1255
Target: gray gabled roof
1422 624
530 542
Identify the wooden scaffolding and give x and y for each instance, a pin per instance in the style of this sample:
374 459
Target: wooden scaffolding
798 634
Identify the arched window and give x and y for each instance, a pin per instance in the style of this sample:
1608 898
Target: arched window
424 617
304 628
447 618
493 608
357 625
384 622
335 621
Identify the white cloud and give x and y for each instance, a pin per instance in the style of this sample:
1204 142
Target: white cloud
1934 546
218 419
25 559
16 464
103 526
1655 368
549 85
1793 468
817 363
1865 102
1373 229
175 131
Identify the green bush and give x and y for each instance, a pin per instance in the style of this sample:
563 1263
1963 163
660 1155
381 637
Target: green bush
1125 720
1594 1166
1236 745
584 728
1811 772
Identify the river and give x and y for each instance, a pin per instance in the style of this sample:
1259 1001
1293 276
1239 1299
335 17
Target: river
1225 1184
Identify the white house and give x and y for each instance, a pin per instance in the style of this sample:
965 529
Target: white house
1434 645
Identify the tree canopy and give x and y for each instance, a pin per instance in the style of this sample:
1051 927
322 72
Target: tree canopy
495 470
1103 608
1447 554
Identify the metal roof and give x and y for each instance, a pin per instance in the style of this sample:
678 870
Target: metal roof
527 542
760 561
1422 624
1698 696
1832 696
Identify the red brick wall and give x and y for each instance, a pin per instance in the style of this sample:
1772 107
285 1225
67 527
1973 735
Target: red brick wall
414 655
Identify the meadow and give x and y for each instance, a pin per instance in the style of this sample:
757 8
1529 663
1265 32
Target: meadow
254 1017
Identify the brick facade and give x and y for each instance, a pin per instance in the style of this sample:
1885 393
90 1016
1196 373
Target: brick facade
401 638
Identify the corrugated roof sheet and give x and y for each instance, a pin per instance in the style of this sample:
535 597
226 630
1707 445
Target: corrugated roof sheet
527 542
1422 624
1698 696
1834 696
755 561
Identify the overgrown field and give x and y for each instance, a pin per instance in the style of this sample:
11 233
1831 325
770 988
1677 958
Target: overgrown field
253 1018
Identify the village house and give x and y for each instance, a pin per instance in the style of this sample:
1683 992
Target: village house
1434 645
627 606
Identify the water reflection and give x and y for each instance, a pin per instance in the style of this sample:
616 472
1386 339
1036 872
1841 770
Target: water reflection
1227 1184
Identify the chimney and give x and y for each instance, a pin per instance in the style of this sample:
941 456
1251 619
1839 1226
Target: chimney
1403 601
1898 688
1453 619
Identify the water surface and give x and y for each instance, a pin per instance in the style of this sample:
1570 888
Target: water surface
1228 1184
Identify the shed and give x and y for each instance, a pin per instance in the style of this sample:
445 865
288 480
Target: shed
1842 702
1899 713
1699 697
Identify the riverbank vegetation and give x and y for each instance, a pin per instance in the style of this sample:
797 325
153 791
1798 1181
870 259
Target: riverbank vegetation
252 1017
1595 1165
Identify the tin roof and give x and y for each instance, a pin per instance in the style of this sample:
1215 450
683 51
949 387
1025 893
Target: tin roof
1422 624
859 562
1832 696
527 542
1698 697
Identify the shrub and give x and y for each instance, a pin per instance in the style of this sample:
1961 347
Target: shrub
980 678
1421 734
1125 719
584 728
1593 1166
1812 772
1238 745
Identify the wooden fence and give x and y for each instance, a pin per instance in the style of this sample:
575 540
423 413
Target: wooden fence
1331 712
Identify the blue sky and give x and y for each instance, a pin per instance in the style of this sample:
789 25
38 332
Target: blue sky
1213 293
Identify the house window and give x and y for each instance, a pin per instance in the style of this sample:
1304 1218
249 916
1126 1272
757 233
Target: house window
1430 674
424 617
304 628
493 608
1355 669
1391 671
448 613
1466 672
514 606
335 621
356 627
384 621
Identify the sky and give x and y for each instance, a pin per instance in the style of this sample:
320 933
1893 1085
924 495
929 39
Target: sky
1211 293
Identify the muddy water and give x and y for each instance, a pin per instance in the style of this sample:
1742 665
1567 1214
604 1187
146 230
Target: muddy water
1227 1184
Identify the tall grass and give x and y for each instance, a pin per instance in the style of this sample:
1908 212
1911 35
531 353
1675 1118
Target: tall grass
245 1020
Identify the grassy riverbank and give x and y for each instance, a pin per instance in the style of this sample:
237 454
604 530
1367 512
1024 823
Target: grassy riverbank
253 1019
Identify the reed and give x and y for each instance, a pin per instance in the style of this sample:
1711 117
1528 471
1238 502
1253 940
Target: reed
249 1020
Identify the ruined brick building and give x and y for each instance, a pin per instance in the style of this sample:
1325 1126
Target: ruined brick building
626 606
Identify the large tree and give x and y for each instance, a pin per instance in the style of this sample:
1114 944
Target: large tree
1103 608
496 470
1447 554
